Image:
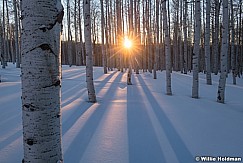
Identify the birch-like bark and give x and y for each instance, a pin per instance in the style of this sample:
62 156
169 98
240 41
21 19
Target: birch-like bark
8 57
167 49
77 54
216 38
41 84
89 55
131 30
82 57
4 55
207 44
224 51
157 40
233 58
180 39
104 59
119 31
196 50
69 47
185 37
1 45
16 31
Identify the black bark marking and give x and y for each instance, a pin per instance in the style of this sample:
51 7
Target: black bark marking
30 141
58 19
219 97
43 28
57 83
29 106
58 115
47 47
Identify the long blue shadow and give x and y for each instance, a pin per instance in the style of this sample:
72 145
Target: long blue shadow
10 139
143 144
182 152
83 138
83 107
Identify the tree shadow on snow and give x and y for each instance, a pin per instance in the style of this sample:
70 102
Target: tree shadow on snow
80 143
143 144
181 150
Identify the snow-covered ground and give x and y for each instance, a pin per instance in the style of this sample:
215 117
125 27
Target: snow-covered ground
136 123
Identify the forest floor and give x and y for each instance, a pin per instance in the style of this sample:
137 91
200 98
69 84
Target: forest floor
135 123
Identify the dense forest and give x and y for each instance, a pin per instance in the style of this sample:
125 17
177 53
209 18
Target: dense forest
141 21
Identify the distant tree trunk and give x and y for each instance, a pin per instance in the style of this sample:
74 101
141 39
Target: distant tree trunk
216 38
7 35
104 59
196 50
1 42
167 49
180 38
131 30
224 51
41 85
119 32
69 47
157 40
233 58
4 55
82 57
185 37
207 44
137 32
129 73
16 28
89 56
77 54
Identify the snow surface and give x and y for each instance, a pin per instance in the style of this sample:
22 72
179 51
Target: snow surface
136 123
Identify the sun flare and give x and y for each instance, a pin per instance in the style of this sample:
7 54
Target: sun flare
127 43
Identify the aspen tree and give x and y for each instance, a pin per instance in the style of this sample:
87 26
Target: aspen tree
224 52
196 50
104 59
233 56
167 49
88 48
41 83
16 30
4 55
185 37
207 44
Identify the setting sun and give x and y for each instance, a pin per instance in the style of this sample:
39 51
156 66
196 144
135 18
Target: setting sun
127 43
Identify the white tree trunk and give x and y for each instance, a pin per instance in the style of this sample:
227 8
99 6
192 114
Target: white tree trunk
104 59
167 50
216 38
82 56
69 47
185 37
233 56
224 52
196 50
207 44
16 28
157 40
89 56
41 80
4 55
180 39
1 45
